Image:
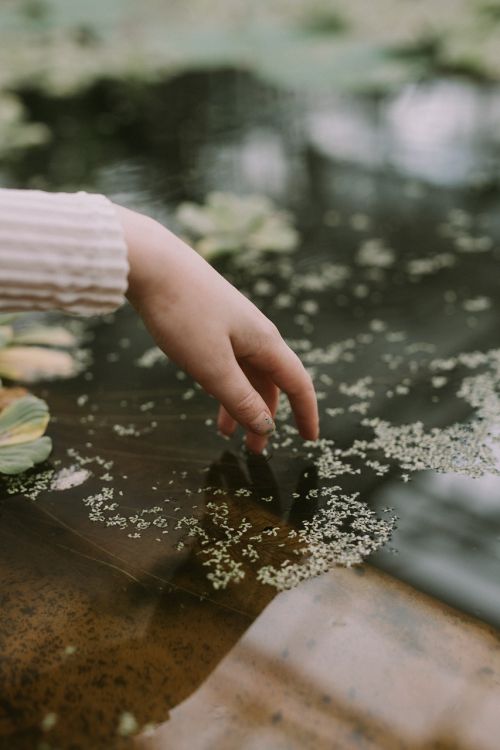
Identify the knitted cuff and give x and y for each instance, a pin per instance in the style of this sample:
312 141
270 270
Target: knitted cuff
61 251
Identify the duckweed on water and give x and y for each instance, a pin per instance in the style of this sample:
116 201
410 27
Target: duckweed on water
343 530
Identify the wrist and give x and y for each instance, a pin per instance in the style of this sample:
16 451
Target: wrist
146 242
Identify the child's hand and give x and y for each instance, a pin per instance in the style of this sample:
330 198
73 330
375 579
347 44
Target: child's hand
214 333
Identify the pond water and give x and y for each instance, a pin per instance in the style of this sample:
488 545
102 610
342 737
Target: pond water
147 595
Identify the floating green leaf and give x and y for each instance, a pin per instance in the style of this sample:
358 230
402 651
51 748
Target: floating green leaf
27 355
23 420
229 223
22 424
18 458
9 395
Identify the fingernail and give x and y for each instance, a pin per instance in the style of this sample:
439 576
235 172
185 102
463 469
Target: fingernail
264 425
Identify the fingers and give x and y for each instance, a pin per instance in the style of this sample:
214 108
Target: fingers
240 400
291 376
225 423
287 371
270 393
276 367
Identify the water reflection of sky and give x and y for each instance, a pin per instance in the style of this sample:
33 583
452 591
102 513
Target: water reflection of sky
448 538
442 132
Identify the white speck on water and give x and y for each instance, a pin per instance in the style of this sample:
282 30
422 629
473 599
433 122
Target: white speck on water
375 253
151 357
127 724
49 721
477 304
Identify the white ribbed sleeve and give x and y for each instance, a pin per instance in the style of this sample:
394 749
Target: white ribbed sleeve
62 251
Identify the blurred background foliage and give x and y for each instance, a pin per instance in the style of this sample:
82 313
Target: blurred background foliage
60 46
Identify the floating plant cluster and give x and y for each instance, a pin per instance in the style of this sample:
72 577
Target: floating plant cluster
32 350
228 223
347 45
29 351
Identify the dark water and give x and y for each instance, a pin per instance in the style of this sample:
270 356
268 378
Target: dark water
143 624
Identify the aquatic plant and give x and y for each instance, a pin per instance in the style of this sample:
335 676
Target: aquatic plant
31 351
28 352
15 129
228 223
23 421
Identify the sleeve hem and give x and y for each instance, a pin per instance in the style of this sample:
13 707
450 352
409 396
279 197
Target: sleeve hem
62 251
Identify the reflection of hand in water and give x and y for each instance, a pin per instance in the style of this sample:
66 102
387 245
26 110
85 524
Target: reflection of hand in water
257 477
201 623
249 521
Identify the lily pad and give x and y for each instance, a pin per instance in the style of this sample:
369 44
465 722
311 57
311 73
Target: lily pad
22 443
9 395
